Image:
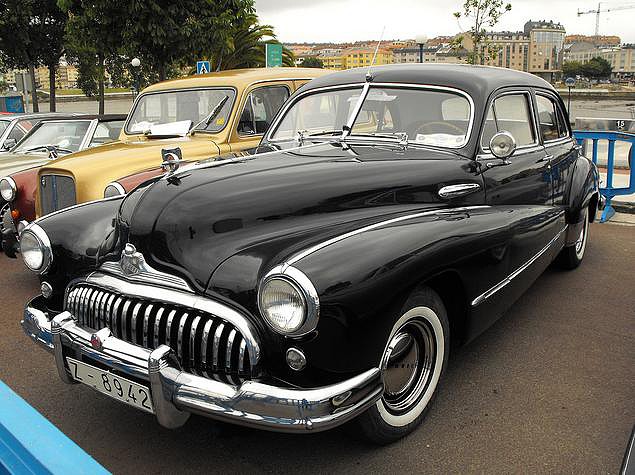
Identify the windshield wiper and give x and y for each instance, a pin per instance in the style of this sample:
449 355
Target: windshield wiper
326 135
400 138
51 149
206 120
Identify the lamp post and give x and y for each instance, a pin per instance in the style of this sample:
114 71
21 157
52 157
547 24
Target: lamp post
421 41
136 63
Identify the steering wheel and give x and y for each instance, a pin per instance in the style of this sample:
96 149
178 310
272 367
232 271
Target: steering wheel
425 128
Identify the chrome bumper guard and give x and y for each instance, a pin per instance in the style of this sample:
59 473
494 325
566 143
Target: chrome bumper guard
176 394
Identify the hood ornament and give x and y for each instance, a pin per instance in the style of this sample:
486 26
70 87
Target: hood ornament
132 262
171 160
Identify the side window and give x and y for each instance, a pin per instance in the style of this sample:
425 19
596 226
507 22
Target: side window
261 106
509 113
547 118
563 131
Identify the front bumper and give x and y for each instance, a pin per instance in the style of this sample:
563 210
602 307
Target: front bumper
176 394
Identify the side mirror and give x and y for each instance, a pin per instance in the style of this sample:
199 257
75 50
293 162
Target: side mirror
502 145
9 144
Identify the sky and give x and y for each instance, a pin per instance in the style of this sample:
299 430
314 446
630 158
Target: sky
350 20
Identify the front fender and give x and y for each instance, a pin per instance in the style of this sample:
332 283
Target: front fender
584 185
81 238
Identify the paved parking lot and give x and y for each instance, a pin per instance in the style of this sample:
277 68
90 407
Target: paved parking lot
549 388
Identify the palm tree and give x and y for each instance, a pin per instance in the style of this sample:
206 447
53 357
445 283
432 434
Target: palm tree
246 47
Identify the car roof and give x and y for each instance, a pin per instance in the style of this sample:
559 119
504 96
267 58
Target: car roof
100 117
237 77
36 115
475 80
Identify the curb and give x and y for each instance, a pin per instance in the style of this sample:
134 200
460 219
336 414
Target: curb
622 207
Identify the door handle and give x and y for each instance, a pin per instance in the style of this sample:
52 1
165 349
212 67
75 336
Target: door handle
498 164
460 189
546 158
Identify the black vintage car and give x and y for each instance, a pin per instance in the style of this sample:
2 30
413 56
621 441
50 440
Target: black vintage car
387 215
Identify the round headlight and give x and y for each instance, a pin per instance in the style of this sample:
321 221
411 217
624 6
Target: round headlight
114 189
288 301
7 188
282 304
35 248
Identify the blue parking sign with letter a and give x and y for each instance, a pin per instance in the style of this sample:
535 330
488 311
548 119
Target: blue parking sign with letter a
202 67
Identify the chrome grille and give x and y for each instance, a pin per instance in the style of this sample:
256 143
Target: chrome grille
56 192
204 344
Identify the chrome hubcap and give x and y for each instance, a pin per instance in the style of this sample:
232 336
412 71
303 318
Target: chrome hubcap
581 241
408 365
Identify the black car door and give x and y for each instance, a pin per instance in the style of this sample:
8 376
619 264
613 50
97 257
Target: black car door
560 148
525 177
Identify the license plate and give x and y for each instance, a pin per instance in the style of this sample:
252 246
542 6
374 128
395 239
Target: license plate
111 385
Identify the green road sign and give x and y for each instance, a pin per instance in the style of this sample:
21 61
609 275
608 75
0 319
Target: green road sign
273 54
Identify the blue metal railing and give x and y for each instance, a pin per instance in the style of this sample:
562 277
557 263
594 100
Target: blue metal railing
31 444
609 191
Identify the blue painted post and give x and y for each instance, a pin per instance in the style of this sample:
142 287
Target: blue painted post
610 163
595 151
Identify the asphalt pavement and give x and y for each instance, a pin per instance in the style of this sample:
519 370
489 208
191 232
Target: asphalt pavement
549 388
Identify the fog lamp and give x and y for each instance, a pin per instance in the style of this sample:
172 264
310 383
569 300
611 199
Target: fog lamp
296 359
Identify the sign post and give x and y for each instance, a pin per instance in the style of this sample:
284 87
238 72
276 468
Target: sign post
203 67
569 82
273 55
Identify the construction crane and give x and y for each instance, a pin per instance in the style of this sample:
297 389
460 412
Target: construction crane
606 10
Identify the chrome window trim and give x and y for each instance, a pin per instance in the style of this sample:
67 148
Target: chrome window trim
519 152
554 100
189 301
492 290
300 281
88 136
534 124
176 89
365 89
310 250
251 100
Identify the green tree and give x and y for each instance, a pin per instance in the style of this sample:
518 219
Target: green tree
50 25
312 62
93 35
572 69
19 37
597 68
481 14
246 48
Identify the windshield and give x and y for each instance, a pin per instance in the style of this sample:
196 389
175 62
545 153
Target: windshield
66 136
426 116
175 106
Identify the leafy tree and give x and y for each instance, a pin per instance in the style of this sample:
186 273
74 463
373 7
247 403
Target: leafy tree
597 68
246 49
93 35
312 62
572 69
19 38
50 25
481 13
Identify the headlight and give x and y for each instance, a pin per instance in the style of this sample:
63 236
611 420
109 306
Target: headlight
8 188
35 248
288 301
114 189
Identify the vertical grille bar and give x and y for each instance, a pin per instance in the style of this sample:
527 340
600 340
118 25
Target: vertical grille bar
146 325
179 341
241 356
193 335
133 322
168 328
206 329
124 317
216 344
157 327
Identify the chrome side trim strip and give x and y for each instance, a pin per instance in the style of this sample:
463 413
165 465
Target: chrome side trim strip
488 293
302 254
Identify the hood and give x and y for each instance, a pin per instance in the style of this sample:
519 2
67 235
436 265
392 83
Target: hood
277 202
94 168
14 162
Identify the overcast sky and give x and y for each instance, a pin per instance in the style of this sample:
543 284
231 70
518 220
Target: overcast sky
350 20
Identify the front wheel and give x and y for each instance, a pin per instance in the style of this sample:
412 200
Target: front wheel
414 358
571 256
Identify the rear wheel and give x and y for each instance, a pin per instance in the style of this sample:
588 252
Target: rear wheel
414 358
571 256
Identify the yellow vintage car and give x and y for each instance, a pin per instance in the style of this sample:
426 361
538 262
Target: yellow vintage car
204 115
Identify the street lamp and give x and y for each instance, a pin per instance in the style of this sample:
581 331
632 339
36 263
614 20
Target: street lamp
136 63
421 40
